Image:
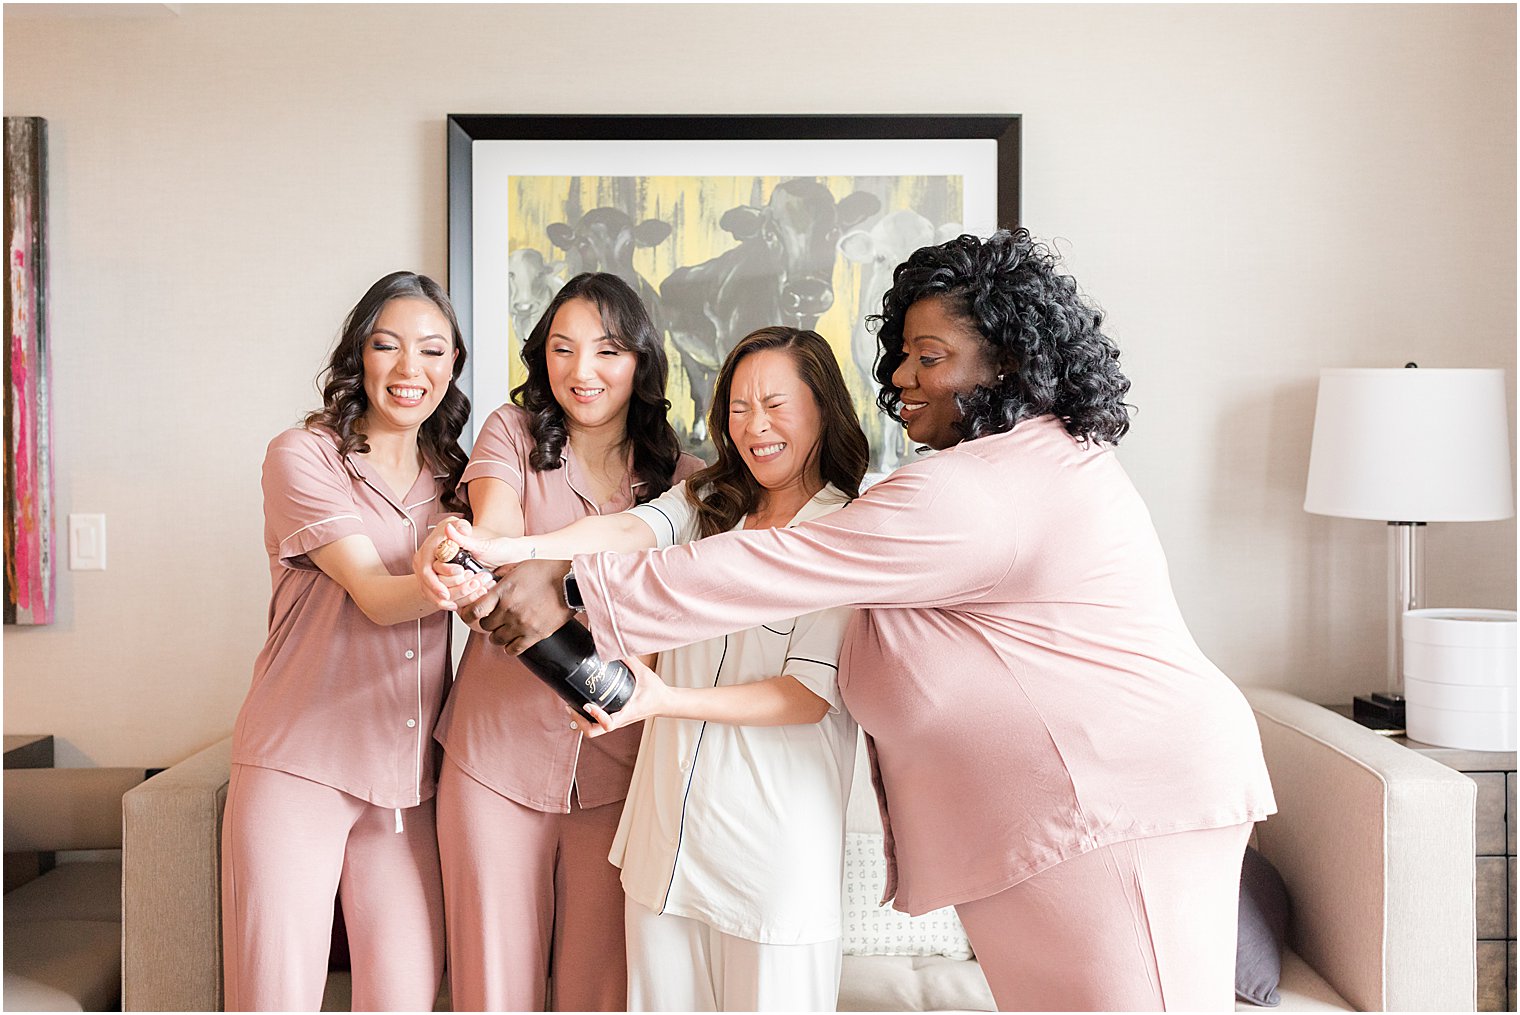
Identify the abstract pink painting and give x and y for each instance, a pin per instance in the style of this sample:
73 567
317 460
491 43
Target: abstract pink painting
28 423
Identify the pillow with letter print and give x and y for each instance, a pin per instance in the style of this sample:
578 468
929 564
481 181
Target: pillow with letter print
873 929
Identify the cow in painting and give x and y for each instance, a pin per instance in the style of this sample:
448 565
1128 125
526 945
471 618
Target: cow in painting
532 282
604 239
880 250
781 272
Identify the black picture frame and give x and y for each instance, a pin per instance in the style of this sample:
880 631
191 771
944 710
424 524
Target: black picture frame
466 131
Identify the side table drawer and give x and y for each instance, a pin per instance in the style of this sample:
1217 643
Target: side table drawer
1492 835
1493 974
1511 817
1495 841
1511 1006
1493 897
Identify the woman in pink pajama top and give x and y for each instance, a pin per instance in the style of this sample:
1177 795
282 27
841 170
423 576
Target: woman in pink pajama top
333 771
1053 754
527 808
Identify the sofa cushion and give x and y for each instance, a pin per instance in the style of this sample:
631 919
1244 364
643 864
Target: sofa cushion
1262 928
873 929
1301 989
62 965
913 983
88 890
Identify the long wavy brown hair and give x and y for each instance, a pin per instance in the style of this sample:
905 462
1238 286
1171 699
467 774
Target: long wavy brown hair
344 401
726 491
656 448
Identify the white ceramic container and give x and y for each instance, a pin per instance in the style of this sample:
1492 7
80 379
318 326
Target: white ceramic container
1459 678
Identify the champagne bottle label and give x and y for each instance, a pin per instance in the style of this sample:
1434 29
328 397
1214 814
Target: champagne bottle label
567 659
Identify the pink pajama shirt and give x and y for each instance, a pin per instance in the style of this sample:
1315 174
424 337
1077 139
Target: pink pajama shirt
527 805
1027 683
333 762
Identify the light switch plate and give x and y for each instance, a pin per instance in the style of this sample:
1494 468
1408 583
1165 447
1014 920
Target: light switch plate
87 542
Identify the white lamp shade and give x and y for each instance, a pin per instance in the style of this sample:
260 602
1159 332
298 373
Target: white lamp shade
1411 445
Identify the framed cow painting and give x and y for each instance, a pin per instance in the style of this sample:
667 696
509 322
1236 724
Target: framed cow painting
722 224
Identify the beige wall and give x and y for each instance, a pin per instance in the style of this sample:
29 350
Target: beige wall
1252 192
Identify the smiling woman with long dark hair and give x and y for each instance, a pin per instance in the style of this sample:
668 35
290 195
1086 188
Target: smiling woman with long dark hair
1055 756
332 781
652 442
747 754
526 809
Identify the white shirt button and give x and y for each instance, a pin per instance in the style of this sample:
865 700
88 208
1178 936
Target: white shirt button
574 725
410 723
406 523
409 653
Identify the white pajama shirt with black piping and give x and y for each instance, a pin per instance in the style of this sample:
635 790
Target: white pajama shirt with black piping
742 827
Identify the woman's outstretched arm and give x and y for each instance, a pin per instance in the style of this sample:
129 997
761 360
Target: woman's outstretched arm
934 534
618 533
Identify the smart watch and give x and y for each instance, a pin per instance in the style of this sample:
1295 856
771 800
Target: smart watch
572 589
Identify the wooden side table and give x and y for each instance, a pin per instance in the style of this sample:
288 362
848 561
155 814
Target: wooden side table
1494 772
27 750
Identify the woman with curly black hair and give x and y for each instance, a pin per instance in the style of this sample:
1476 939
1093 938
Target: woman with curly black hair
1054 755
527 807
331 792
1013 339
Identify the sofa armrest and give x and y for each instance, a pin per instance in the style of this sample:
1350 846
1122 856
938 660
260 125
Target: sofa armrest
1375 843
171 886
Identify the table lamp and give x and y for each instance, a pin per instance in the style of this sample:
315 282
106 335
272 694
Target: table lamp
1408 447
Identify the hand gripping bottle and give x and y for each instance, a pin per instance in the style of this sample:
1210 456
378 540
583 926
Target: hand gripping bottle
567 659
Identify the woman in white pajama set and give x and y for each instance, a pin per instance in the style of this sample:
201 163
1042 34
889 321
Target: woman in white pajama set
731 840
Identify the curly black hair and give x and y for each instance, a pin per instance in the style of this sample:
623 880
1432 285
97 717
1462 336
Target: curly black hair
1046 337
656 448
344 401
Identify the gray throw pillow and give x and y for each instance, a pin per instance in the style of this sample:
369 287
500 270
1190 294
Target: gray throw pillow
1263 926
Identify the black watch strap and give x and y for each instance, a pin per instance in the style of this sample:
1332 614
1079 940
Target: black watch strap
572 589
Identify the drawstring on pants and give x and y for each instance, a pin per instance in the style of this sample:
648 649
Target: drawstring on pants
398 819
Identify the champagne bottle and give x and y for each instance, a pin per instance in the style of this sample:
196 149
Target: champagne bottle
567 659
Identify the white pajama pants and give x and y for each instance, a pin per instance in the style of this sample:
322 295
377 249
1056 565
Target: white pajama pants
680 964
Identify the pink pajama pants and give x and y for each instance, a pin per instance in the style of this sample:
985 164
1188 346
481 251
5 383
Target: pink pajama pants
530 897
1144 925
289 846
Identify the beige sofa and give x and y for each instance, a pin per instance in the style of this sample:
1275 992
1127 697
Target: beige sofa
63 928
1375 843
